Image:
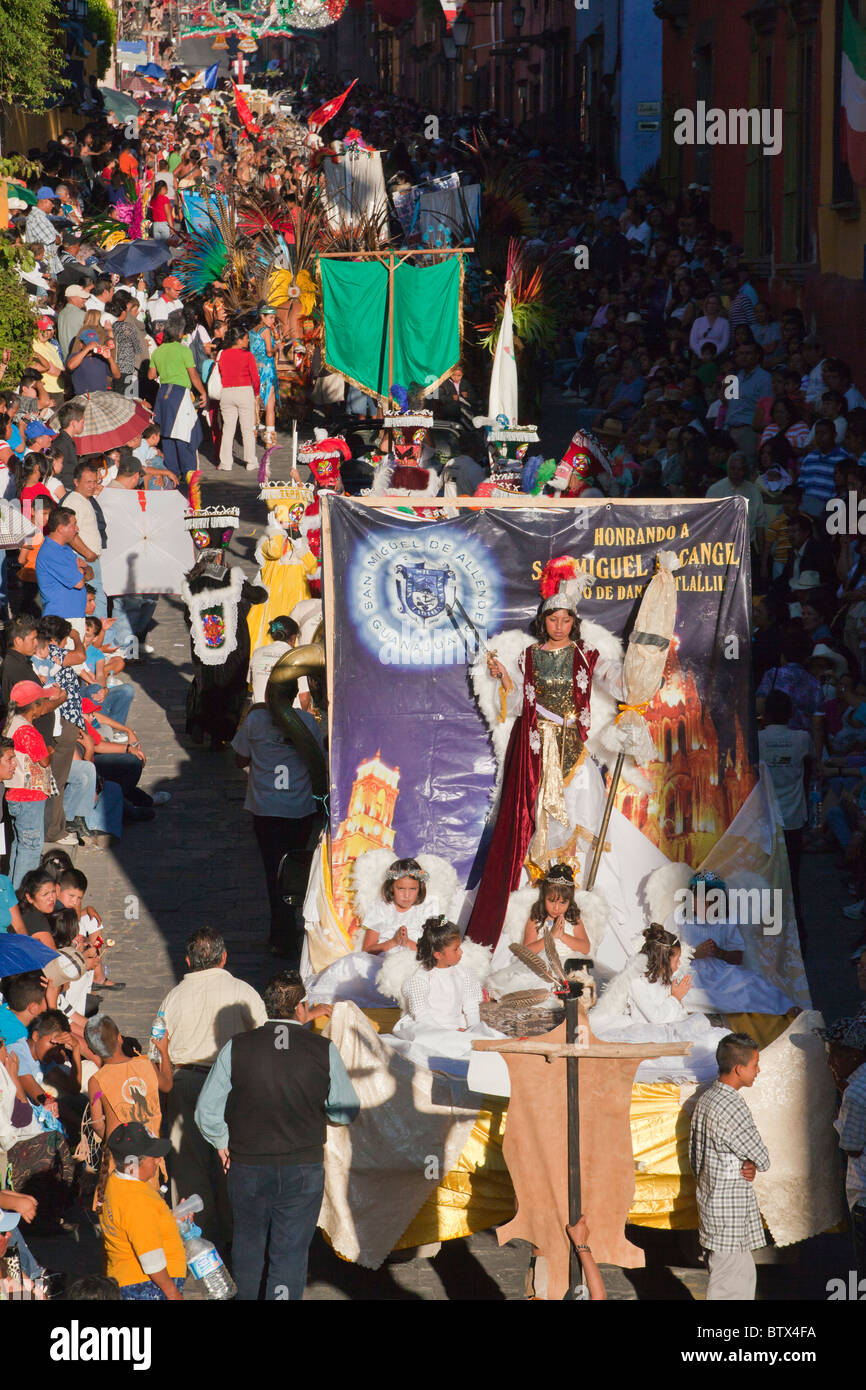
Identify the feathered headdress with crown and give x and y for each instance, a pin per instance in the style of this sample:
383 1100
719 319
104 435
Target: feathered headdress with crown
563 584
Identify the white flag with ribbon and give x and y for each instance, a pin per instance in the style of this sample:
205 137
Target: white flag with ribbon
503 379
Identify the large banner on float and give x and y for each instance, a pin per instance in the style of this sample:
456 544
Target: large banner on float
407 602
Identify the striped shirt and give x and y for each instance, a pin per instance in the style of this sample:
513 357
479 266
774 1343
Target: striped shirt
817 473
797 434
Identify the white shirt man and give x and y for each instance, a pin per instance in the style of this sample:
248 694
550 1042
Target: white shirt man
160 305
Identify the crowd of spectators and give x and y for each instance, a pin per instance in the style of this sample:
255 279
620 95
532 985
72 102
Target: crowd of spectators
668 353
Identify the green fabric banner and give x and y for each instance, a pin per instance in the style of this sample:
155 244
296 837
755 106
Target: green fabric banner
426 321
355 313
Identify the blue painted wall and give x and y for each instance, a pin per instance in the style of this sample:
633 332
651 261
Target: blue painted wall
633 34
640 80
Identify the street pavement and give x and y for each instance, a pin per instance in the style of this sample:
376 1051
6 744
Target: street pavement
197 864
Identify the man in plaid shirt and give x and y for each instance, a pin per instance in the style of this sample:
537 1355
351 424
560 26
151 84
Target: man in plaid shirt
847 1061
725 1151
39 227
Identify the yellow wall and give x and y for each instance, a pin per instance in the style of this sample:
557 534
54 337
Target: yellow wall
841 237
23 131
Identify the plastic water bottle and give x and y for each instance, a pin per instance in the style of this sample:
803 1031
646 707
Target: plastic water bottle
815 806
203 1260
157 1033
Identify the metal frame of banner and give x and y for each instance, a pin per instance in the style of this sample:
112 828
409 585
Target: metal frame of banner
389 258
520 503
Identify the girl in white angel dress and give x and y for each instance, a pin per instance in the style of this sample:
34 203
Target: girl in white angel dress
644 1003
552 911
392 915
442 999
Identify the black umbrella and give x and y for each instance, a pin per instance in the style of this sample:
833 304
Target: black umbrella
135 257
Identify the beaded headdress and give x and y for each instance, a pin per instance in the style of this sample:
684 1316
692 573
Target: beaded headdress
710 878
560 876
396 872
212 527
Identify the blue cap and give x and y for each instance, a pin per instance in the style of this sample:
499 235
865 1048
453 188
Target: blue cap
89 335
37 428
8 1221
45 192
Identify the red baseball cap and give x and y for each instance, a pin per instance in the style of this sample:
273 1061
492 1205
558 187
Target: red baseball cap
25 692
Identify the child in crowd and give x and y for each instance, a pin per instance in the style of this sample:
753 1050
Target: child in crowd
399 920
150 456
644 1003
104 665
777 542
71 887
708 372
442 1004
554 913
102 659
726 1151
68 939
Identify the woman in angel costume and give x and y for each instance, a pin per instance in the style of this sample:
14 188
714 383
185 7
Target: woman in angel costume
549 704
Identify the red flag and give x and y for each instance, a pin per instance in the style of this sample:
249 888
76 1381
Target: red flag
246 115
325 113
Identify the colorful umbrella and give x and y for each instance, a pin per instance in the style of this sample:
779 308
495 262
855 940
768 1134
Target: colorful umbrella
24 195
135 84
110 420
21 954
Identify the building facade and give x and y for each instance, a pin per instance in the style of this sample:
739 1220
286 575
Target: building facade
619 85
796 213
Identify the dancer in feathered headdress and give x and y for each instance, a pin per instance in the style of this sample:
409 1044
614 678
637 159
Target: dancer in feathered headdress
547 702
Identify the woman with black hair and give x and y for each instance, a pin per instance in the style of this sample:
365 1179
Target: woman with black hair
442 1004
645 1003
173 365
543 701
239 374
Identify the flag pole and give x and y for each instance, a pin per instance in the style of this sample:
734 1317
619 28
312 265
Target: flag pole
390 324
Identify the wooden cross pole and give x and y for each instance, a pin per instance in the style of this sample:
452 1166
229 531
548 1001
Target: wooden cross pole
572 1105
579 1044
